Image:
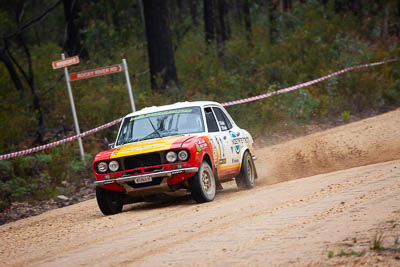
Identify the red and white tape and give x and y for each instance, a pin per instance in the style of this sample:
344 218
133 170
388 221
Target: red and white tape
229 103
295 87
63 141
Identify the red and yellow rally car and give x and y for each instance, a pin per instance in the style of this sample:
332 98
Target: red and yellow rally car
190 147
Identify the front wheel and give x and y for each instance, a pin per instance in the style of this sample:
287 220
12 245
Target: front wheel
245 179
202 184
110 202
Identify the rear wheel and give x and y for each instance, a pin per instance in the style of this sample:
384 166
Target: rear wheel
245 179
202 185
110 202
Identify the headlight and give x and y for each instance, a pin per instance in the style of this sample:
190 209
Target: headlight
183 155
113 166
102 167
171 156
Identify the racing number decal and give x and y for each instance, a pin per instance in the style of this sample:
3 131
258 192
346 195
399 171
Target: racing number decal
221 147
214 149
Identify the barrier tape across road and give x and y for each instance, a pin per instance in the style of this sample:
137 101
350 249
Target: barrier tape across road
295 87
226 104
63 141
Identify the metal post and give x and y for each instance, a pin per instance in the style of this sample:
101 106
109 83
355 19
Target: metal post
128 82
71 100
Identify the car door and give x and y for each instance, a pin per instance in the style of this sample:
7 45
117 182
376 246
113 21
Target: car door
229 133
214 134
221 139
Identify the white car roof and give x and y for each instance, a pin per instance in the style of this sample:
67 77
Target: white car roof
172 106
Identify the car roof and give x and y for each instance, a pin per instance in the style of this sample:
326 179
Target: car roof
172 106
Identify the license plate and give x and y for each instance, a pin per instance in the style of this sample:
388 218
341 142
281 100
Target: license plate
141 180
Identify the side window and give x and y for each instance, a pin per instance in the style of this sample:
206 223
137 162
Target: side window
211 123
223 120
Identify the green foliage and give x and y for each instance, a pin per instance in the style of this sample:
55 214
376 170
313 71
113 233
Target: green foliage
344 253
6 170
345 115
303 106
391 95
39 176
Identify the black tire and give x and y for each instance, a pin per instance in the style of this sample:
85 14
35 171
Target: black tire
245 179
110 202
202 184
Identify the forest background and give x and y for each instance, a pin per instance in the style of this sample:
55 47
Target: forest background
179 50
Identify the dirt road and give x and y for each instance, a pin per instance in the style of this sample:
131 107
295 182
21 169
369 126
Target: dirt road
282 220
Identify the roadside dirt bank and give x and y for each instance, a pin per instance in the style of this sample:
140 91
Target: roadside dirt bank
364 142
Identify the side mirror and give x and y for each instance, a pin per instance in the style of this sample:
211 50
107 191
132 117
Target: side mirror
111 145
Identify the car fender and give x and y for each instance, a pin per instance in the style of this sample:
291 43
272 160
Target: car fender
247 146
200 147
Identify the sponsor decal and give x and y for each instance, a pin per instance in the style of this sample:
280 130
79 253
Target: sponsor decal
116 151
176 172
214 152
198 147
177 111
201 143
238 141
222 161
140 148
235 161
220 146
237 148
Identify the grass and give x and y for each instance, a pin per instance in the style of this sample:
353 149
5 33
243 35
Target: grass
343 253
376 243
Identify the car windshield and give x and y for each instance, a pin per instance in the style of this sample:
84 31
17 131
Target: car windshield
161 124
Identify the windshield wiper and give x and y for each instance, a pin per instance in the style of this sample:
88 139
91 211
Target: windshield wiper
154 128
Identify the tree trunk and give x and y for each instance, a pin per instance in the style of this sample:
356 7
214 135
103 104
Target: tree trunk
247 19
273 33
209 20
115 16
73 43
398 8
181 11
285 5
36 100
159 43
29 78
238 8
221 25
357 7
193 12
324 2
11 70
141 9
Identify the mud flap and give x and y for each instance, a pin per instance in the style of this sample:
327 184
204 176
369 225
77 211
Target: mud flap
218 185
254 167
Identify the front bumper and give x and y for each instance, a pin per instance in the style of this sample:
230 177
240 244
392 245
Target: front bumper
126 179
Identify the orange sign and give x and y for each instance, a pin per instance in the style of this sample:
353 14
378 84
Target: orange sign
95 72
65 62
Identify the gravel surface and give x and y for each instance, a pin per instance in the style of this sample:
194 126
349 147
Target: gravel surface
349 198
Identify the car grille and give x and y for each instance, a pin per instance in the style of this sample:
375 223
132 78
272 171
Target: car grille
141 161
